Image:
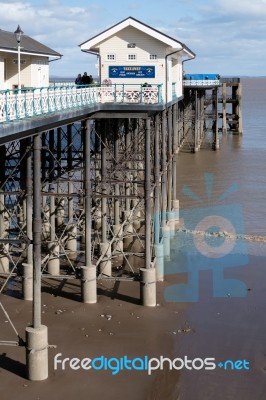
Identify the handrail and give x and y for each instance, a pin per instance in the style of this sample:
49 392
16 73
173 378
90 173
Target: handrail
24 103
201 82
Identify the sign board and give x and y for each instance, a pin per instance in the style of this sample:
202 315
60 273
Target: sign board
131 71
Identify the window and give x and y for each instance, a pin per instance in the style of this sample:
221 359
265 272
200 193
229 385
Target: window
132 57
153 56
21 62
110 57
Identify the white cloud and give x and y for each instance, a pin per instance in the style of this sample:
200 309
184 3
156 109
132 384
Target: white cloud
226 35
240 7
16 12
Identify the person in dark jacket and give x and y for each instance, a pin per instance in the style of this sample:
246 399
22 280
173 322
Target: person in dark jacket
85 80
78 80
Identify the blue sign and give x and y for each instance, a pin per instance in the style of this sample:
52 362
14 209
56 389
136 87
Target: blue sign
131 71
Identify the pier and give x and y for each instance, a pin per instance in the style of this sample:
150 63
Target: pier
88 187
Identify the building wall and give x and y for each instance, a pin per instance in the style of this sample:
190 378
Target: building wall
39 72
34 71
145 46
2 72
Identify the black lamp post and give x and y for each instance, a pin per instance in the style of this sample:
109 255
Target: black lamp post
18 33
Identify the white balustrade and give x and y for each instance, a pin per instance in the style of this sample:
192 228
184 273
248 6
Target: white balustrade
33 102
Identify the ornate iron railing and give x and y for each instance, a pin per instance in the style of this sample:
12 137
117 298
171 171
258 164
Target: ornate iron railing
31 102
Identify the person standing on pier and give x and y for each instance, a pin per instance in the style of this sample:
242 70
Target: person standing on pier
85 80
78 80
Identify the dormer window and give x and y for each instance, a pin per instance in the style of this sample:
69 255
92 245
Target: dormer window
131 56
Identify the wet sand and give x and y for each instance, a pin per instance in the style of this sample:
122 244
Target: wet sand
79 330
223 328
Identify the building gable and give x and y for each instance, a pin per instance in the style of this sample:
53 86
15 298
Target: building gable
93 43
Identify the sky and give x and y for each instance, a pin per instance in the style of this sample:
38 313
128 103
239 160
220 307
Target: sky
228 36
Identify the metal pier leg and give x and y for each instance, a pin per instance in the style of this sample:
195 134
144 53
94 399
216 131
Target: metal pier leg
37 334
88 280
196 125
129 230
148 274
118 231
170 164
4 260
164 192
27 282
157 217
105 247
71 245
216 133
224 96
165 227
175 150
239 108
117 190
60 202
103 181
54 262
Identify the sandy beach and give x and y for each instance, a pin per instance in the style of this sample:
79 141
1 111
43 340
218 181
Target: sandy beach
223 328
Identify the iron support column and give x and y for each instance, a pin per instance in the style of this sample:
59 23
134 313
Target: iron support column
148 194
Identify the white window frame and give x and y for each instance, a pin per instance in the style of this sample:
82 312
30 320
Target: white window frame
153 57
132 59
112 57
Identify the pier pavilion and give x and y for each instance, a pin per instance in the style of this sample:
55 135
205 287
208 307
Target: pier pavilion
34 61
88 176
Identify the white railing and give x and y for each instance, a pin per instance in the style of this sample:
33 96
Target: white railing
33 102
201 82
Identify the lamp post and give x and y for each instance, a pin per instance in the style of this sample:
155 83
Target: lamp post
18 33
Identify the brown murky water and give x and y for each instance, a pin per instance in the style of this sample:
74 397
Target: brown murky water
229 327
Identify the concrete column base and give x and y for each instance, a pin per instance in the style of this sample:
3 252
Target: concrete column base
148 287
89 284
4 260
128 232
171 223
159 252
37 353
118 242
166 240
54 262
137 220
98 220
46 224
72 243
27 282
175 205
60 211
106 264
128 239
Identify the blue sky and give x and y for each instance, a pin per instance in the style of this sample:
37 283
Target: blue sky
228 36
